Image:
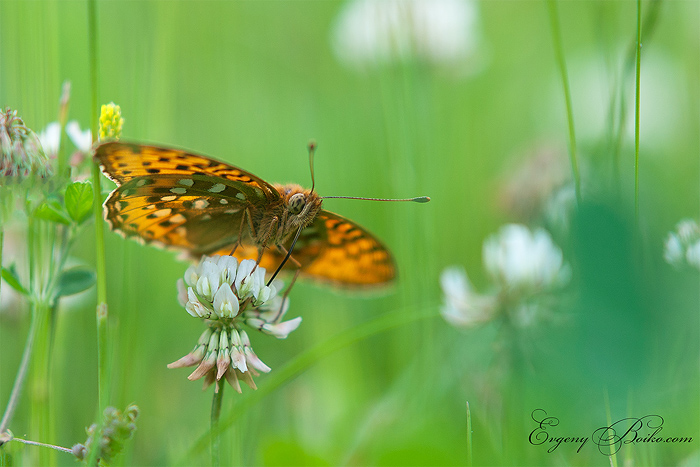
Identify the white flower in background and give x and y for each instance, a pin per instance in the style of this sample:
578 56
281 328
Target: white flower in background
375 32
526 267
50 138
518 258
683 245
229 294
81 139
463 306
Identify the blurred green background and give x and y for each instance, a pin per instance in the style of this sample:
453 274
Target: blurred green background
251 82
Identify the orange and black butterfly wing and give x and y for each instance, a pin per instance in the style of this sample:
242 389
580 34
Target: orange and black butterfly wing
334 250
177 199
338 250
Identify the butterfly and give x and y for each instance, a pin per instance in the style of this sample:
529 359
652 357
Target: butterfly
177 199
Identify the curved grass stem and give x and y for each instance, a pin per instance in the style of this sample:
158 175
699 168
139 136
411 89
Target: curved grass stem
21 375
636 109
561 63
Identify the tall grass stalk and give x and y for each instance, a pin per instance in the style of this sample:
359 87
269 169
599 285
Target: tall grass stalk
101 269
561 63
608 416
469 437
40 379
101 311
636 109
647 28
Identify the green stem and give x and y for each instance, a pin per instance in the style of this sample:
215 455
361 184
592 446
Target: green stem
561 63
63 169
636 110
40 380
2 238
215 415
21 375
101 311
101 269
648 27
608 415
44 445
469 437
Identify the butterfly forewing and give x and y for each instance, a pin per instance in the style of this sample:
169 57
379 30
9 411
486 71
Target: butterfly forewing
179 199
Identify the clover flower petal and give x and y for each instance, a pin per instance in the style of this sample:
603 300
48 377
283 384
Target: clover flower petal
225 302
463 307
683 245
519 258
181 292
50 138
278 330
81 139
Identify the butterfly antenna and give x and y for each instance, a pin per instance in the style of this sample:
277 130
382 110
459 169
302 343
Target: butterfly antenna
418 199
289 253
312 150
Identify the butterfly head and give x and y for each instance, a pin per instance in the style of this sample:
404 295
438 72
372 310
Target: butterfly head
302 205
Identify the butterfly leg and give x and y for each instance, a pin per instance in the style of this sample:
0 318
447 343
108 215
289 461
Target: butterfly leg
265 238
246 215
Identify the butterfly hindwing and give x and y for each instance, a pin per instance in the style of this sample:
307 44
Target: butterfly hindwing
344 253
332 249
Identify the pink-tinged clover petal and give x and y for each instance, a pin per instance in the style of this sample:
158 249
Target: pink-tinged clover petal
232 379
181 292
282 330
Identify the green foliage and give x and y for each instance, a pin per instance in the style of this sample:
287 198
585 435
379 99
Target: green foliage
74 280
52 210
78 200
9 275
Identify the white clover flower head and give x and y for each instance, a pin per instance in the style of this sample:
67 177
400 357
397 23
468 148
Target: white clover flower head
375 32
219 286
229 294
81 139
683 245
464 307
517 258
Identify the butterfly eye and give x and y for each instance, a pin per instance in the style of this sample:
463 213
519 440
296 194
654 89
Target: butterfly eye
296 203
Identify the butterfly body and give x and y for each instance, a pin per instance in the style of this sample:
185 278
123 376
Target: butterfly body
176 199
